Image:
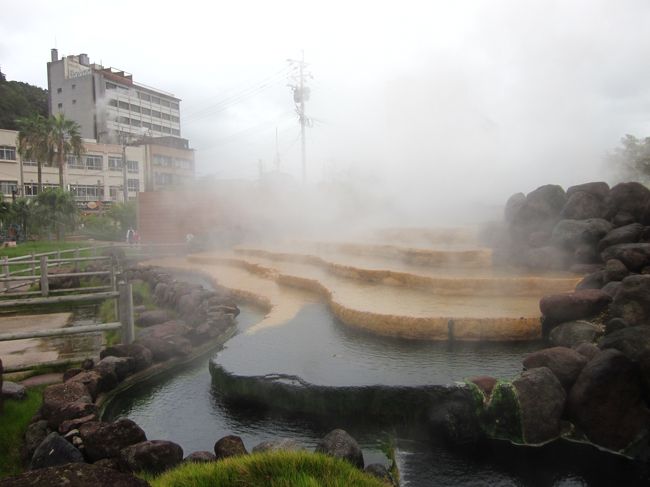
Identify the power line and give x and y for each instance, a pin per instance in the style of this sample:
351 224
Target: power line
300 95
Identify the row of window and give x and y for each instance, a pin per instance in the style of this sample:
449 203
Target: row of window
145 111
86 192
7 153
115 164
144 96
167 179
96 163
151 126
167 161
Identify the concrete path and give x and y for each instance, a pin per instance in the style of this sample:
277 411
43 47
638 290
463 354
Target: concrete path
33 350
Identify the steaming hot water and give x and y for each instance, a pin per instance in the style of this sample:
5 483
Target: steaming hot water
314 298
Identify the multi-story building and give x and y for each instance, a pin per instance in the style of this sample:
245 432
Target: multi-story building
106 102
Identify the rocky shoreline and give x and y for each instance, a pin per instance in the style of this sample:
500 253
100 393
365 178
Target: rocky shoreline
67 441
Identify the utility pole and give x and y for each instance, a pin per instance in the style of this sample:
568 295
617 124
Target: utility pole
124 180
300 96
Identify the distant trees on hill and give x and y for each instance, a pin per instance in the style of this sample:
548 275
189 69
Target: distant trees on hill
19 100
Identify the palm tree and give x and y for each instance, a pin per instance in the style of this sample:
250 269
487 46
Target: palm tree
33 142
65 139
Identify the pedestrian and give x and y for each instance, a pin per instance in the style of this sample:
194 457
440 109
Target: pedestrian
129 236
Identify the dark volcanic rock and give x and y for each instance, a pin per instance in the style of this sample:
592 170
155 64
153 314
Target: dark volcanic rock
34 436
573 306
564 362
573 333
633 341
582 205
71 411
615 270
635 256
161 350
152 456
513 205
95 382
599 189
587 350
595 280
612 288
141 355
632 301
455 418
625 234
339 444
74 424
200 457
606 401
229 446
105 440
615 324
627 198
70 373
484 382
541 399
281 444
120 366
54 450
569 234
379 471
153 317
11 390
58 395
73 475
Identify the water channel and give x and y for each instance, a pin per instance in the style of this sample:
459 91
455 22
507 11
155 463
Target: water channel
189 408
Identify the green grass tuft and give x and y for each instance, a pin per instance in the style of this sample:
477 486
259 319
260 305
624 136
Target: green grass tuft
272 469
14 420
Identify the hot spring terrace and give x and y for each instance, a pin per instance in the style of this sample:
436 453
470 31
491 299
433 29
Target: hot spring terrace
391 289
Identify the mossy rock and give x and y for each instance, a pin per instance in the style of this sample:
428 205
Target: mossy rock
501 418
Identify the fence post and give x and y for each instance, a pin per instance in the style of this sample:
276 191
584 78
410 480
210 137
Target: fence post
45 284
5 270
76 262
126 312
114 284
33 264
58 257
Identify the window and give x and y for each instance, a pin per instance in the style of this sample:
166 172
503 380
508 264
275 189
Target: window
116 193
133 185
110 86
176 132
164 161
157 128
182 163
132 166
146 125
175 119
87 192
146 111
94 162
135 123
114 163
112 102
164 103
165 116
124 120
175 106
144 96
59 90
167 130
75 163
31 189
74 102
163 178
29 163
60 106
135 108
7 153
155 99
73 86
155 113
8 187
123 104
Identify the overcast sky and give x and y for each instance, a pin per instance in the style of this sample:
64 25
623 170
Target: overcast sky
507 94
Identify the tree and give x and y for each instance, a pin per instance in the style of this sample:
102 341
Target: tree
124 214
64 137
34 143
632 158
19 100
54 211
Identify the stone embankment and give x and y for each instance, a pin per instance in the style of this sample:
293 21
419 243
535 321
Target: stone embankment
68 444
593 384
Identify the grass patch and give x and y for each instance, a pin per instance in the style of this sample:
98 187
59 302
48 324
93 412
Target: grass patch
273 469
15 419
39 247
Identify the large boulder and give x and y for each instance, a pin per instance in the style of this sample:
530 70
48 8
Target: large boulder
569 234
121 367
54 450
95 381
582 205
542 206
105 440
153 317
338 443
229 446
164 349
614 270
153 456
513 206
546 258
455 417
34 435
541 401
574 305
564 362
70 412
142 356
11 390
635 256
281 444
573 333
57 396
166 330
632 300
627 198
200 457
606 401
625 234
73 475
599 189
633 341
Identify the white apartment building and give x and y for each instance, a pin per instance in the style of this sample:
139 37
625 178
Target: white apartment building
107 103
